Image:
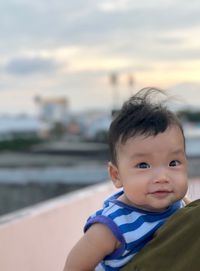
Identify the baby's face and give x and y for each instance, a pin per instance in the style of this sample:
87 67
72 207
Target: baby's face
152 170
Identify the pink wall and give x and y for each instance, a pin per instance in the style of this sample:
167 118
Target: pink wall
39 238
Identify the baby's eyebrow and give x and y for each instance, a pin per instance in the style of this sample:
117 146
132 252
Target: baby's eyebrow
141 154
146 154
179 151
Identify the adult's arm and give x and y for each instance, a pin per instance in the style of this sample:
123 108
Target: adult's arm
175 246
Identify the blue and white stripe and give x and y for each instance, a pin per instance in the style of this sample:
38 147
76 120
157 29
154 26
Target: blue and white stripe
133 227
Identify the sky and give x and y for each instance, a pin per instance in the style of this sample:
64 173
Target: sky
71 49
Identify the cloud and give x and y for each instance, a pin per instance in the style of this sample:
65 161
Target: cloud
79 43
30 65
37 24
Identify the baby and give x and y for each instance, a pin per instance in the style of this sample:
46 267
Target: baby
148 162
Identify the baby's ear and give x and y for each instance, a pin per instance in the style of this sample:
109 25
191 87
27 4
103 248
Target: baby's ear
114 175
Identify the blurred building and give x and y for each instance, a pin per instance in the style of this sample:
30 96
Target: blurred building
53 113
95 124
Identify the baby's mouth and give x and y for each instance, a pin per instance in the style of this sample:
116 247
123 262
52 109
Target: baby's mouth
161 193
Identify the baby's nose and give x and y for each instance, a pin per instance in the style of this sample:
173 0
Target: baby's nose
161 176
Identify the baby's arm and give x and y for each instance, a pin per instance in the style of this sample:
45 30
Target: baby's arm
96 243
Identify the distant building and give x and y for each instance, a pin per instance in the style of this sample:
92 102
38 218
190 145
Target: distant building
52 109
53 113
96 125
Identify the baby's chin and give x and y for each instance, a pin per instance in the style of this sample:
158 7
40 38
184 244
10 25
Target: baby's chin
154 208
159 207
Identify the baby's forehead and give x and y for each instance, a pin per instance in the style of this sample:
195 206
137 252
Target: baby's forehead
149 134
172 137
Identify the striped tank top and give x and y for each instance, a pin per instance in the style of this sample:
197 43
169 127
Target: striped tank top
133 228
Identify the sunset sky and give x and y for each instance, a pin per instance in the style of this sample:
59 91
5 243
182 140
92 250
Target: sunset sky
70 48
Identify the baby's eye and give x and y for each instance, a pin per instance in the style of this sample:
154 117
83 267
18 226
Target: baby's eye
143 165
174 163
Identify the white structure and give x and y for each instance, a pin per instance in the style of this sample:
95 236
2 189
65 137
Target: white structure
15 126
52 110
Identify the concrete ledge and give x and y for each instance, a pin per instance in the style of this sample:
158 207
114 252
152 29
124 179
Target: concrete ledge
39 238
49 205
